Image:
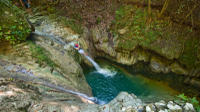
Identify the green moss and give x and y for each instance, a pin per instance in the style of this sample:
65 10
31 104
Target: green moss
13 25
138 31
189 56
72 23
40 54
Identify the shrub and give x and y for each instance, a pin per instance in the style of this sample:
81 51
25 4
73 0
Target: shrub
193 101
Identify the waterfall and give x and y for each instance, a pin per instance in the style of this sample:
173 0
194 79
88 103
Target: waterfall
94 63
105 72
56 39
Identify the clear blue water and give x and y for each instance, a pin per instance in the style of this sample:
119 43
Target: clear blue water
107 88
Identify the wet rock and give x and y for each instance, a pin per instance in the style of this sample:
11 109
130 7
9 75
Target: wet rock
176 68
158 66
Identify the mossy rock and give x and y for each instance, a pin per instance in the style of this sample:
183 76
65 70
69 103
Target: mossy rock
13 25
133 27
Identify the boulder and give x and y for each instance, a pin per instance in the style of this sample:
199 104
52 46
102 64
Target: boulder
161 105
188 108
150 108
157 65
173 107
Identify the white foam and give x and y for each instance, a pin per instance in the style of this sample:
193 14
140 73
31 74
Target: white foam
107 72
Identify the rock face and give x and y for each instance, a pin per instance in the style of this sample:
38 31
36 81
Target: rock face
20 96
66 73
118 51
127 42
58 41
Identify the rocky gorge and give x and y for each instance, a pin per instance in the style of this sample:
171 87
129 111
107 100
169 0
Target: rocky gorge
61 65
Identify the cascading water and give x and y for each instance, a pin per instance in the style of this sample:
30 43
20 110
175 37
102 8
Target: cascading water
105 72
97 67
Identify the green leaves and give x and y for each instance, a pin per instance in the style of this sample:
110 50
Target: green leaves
8 37
193 100
183 97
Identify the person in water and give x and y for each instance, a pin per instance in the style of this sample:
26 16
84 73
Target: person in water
81 51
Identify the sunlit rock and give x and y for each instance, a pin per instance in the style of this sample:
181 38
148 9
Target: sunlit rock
188 107
174 107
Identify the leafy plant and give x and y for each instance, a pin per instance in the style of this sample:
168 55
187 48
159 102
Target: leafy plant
183 97
193 101
13 26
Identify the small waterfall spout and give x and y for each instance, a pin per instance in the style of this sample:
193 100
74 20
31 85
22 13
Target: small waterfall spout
105 72
94 63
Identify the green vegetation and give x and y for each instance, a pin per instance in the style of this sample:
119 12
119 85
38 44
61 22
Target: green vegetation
13 26
193 101
133 26
135 22
72 23
98 21
189 56
40 54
